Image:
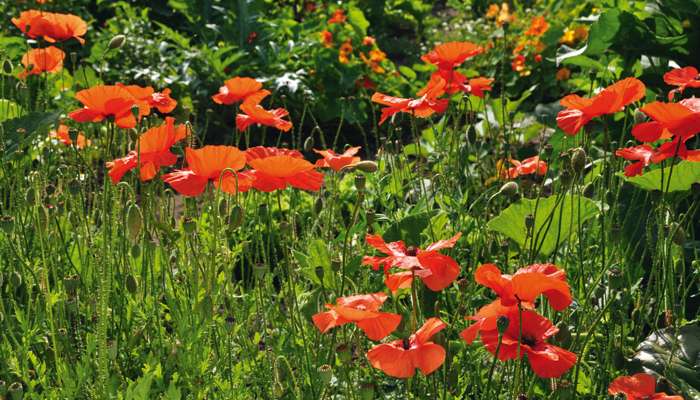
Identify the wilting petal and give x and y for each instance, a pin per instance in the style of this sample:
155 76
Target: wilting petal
444 244
428 330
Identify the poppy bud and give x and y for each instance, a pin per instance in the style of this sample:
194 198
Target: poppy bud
259 270
30 196
117 42
589 190
134 222
360 181
336 264
563 337
7 66
318 205
639 117
309 144
343 352
135 250
189 225
325 374
366 166
529 221
131 283
71 283
509 189
578 160
319 273
502 323
565 177
366 391
237 216
7 222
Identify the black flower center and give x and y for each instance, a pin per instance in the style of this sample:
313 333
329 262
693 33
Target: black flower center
412 251
529 340
406 344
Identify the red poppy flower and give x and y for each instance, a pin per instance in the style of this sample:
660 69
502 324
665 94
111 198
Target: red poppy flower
486 319
528 166
579 111
236 90
162 101
456 82
477 86
52 27
146 98
101 102
687 77
400 358
338 17
152 152
436 270
422 107
642 154
278 168
36 61
546 360
682 119
208 164
337 161
62 135
254 113
527 284
451 54
363 311
638 387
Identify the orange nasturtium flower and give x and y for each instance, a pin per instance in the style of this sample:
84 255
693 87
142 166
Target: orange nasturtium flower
528 166
363 311
327 39
52 27
401 357
152 152
579 110
528 336
236 89
254 113
437 271
102 101
639 386
276 168
369 41
451 54
217 164
36 61
492 11
422 107
338 17
337 161
62 135
687 77
345 52
538 26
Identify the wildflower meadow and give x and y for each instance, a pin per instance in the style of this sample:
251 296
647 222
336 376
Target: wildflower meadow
362 199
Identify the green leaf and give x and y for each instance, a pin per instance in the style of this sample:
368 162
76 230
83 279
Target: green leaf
409 228
9 110
603 32
684 175
556 219
407 72
675 355
584 62
20 131
357 19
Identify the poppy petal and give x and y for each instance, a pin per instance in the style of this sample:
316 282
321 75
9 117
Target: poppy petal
444 270
186 182
392 360
428 357
549 361
380 327
428 330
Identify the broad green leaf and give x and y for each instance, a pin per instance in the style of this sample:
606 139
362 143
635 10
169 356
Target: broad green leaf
603 32
9 110
684 175
409 228
674 355
556 219
20 131
407 72
584 62
357 19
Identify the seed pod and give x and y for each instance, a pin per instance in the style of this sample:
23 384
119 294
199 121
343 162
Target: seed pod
615 279
344 353
16 391
189 225
135 250
360 182
370 216
237 216
336 264
366 166
319 273
367 391
3 388
589 190
325 374
529 221
309 144
578 160
73 58
7 222
7 67
117 42
131 283
134 222
259 270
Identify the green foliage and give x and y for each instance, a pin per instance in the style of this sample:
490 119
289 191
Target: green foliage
681 177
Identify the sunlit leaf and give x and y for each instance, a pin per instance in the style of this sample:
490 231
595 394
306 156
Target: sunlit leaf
684 175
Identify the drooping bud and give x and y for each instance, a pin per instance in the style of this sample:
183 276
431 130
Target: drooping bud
309 144
131 283
578 160
7 66
366 166
319 273
117 42
509 189
529 221
134 222
237 216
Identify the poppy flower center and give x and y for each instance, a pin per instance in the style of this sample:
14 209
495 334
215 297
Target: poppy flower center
412 251
406 344
529 340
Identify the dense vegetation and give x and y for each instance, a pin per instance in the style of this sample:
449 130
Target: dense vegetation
365 199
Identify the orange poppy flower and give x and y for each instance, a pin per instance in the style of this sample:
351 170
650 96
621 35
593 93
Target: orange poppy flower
363 311
100 102
152 152
162 101
538 26
638 387
400 358
278 168
451 54
486 319
528 166
642 154
62 135
52 27
546 360
437 271
337 161
254 113
422 107
208 164
527 284
236 90
327 39
36 61
579 111
146 98
687 77
682 119
477 86
338 17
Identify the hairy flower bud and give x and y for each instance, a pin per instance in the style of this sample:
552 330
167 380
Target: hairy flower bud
117 42
134 222
578 160
309 144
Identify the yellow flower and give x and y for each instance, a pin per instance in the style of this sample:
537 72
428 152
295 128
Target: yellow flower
504 16
569 37
377 55
493 10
